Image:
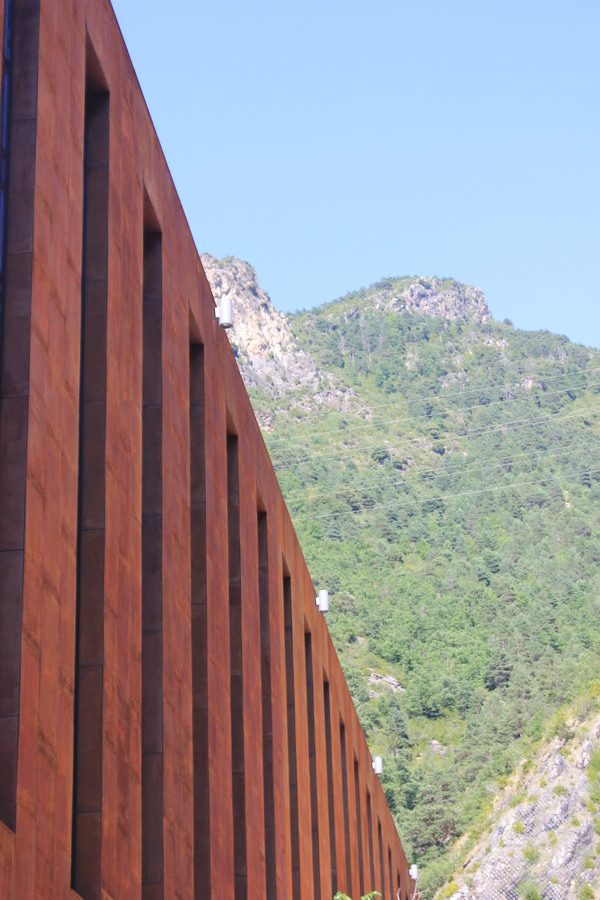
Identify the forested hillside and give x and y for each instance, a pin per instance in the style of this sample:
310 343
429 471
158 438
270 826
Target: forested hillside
443 475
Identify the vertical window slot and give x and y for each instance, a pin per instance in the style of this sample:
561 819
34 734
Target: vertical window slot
361 871
344 767
267 710
370 827
152 612
381 869
330 795
17 187
312 766
236 668
291 725
199 629
87 792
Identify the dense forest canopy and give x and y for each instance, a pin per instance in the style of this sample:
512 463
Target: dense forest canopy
451 505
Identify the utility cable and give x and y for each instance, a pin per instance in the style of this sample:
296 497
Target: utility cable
474 432
443 498
456 471
344 430
437 397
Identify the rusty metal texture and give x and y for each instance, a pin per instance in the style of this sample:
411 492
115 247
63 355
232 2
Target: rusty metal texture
218 613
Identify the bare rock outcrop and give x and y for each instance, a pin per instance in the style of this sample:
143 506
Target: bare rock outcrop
544 837
447 299
268 356
261 337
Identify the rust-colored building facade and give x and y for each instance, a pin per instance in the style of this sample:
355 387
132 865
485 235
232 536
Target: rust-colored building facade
174 722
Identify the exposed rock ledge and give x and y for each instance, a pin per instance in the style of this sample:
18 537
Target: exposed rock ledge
545 831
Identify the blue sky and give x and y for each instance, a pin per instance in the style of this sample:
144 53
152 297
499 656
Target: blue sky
331 144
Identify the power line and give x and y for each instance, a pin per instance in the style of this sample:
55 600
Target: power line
352 428
474 432
443 498
504 386
455 471
437 398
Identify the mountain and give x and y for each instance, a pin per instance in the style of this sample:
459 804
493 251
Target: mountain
443 474
270 360
542 838
275 365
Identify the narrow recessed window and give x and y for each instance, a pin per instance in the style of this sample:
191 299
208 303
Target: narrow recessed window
381 869
330 796
370 828
199 631
291 725
361 870
312 766
87 788
236 668
390 875
344 767
267 710
152 611
17 186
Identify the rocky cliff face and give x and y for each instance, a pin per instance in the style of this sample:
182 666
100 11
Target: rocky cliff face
261 338
544 843
264 344
267 352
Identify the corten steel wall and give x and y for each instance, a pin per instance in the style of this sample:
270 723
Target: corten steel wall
113 367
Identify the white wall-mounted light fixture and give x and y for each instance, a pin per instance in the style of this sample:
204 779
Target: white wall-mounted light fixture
224 313
414 872
322 601
377 765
